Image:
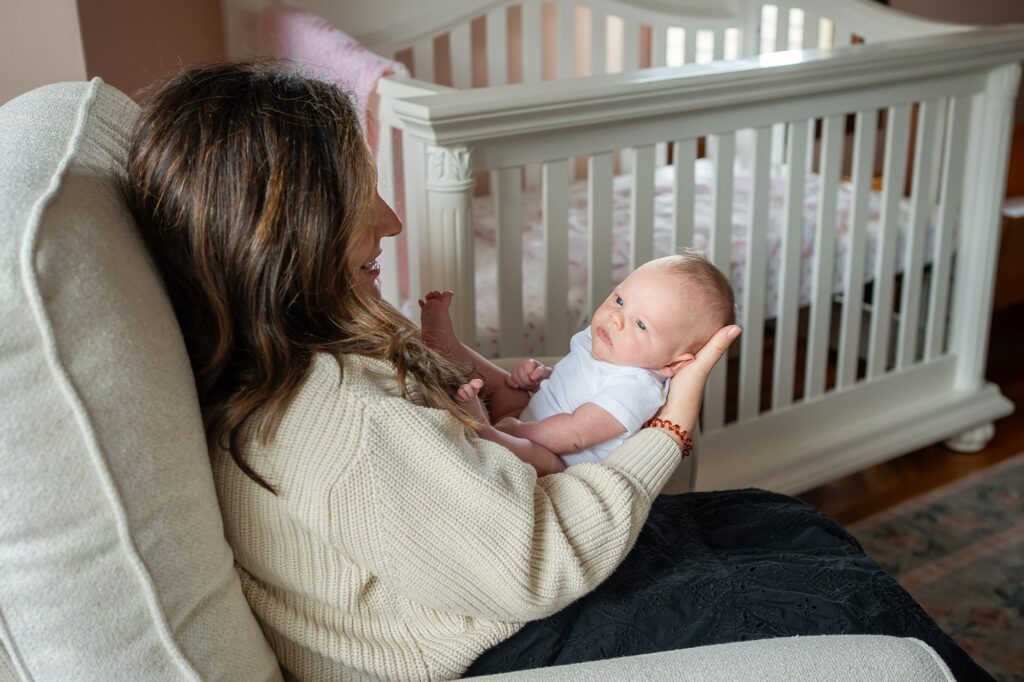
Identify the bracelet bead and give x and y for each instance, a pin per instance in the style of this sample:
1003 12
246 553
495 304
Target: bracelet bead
674 428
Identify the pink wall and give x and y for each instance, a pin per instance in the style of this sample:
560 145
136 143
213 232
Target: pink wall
129 43
39 44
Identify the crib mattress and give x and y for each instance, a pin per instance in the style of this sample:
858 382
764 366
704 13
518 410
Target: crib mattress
485 225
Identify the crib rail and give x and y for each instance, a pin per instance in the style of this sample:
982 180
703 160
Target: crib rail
943 104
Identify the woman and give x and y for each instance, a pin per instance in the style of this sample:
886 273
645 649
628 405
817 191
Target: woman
374 534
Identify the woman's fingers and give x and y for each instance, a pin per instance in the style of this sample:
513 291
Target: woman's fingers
687 387
716 347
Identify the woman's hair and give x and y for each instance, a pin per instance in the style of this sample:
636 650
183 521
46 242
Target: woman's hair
250 183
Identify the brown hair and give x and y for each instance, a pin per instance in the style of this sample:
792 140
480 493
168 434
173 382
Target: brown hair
250 183
716 291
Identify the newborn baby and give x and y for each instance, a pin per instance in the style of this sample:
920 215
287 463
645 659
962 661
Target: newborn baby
616 374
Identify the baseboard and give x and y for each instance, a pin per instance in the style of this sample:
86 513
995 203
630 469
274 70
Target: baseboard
812 443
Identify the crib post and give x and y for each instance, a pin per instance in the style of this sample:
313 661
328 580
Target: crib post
446 250
978 242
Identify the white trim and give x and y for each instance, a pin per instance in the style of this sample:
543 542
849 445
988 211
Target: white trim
460 117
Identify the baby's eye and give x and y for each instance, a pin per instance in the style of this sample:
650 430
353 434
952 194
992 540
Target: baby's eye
641 325
618 300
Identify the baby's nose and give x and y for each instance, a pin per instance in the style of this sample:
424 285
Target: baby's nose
617 320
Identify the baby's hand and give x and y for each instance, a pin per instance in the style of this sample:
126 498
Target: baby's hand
528 375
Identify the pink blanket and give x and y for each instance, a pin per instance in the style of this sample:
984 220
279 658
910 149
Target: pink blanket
325 51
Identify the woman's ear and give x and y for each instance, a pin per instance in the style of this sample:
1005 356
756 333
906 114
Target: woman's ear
671 368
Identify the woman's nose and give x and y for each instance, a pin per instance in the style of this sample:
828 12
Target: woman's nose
388 224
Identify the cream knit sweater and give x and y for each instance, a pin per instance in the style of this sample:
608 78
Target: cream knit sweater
398 547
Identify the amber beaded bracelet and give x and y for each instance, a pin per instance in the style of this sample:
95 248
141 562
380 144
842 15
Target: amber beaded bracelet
674 428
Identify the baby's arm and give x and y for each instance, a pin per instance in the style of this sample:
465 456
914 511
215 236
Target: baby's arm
542 459
564 433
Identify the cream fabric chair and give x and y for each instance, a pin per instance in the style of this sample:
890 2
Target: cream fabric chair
113 563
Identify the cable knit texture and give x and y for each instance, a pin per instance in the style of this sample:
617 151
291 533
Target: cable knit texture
398 546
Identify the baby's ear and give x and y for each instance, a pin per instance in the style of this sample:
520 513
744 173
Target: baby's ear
682 361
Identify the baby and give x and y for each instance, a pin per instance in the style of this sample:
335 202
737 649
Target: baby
615 376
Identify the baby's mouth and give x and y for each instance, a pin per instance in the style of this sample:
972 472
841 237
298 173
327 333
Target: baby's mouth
604 336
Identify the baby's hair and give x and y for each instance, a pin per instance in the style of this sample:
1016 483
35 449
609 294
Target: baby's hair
698 271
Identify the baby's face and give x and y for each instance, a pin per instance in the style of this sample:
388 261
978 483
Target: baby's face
646 321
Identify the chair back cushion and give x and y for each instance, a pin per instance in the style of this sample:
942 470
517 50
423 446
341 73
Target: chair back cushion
113 562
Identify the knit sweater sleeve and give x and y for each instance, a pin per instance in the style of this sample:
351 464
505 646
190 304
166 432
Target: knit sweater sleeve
460 525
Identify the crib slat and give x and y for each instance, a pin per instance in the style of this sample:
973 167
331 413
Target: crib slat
718 51
864 135
598 42
556 255
566 37
723 151
506 184
949 207
689 45
641 212
789 268
423 60
913 262
755 279
659 46
824 256
684 156
630 44
460 52
532 41
497 46
810 37
778 142
897 126
894 170
937 141
826 33
782 28
599 218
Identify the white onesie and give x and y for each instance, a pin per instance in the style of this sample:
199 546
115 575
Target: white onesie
631 394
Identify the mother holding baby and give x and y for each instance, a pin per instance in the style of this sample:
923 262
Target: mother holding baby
375 534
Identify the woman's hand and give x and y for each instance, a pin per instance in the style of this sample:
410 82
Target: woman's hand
686 388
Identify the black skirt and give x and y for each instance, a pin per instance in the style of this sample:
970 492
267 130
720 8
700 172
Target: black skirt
710 568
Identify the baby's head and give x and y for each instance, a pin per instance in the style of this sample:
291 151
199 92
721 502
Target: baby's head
663 313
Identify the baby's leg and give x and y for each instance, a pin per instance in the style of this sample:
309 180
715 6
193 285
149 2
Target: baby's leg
468 399
438 333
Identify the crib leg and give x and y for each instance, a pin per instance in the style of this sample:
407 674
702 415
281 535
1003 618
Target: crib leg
972 440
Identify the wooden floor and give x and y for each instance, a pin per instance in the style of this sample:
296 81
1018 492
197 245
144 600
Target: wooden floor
871 490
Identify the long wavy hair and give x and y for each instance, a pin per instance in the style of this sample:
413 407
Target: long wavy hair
251 182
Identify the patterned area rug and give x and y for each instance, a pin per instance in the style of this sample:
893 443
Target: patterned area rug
960 551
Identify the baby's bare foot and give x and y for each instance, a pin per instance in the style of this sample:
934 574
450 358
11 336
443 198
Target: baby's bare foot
468 398
436 322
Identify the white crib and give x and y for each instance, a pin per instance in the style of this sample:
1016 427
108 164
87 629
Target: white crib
884 353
